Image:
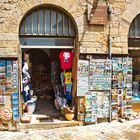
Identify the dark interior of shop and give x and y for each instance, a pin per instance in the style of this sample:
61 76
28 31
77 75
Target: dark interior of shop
44 69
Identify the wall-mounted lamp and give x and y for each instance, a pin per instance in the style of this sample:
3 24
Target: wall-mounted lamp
89 9
109 9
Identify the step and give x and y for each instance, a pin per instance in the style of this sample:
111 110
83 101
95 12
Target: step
46 125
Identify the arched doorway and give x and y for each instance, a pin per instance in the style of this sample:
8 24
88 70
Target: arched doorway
47 37
134 52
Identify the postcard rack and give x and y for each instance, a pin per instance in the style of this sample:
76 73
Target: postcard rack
121 87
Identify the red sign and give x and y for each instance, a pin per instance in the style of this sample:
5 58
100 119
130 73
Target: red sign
98 15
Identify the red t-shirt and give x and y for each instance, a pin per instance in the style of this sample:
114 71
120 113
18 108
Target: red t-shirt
66 58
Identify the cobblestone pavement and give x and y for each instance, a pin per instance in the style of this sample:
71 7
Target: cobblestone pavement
129 130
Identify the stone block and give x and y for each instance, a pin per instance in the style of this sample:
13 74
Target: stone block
129 1
10 52
114 31
3 1
120 48
83 50
115 24
81 30
80 20
88 36
117 50
2 20
116 38
123 31
8 36
96 28
124 39
125 50
136 4
96 50
2 51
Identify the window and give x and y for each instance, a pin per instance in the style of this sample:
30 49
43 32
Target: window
41 41
134 31
47 21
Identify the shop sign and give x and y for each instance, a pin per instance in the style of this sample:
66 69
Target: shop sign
98 15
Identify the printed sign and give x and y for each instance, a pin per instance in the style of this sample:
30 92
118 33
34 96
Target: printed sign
99 15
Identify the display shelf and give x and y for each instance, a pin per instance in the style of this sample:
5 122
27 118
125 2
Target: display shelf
97 106
122 83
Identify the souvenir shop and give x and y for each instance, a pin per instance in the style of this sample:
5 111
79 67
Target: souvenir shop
52 82
47 86
48 47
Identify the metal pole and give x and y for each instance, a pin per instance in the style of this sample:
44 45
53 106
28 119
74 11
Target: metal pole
110 57
110 93
110 46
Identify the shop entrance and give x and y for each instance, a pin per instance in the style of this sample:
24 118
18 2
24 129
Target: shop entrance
45 83
47 38
41 81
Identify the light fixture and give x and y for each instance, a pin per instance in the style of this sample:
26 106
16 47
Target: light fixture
109 9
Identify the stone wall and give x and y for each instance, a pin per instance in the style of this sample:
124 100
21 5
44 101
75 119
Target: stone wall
92 39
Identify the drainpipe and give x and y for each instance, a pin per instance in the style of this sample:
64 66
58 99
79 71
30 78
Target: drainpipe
109 11
110 93
110 46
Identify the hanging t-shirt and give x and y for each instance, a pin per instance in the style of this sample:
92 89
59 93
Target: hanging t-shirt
66 59
69 88
67 77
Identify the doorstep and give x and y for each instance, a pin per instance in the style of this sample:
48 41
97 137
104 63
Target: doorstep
46 125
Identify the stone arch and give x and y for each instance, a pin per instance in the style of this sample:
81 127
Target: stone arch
55 7
132 10
23 6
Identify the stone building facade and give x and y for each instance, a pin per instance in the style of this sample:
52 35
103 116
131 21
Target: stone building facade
91 39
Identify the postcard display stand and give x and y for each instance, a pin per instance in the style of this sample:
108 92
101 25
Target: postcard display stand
82 87
9 84
121 87
99 87
96 87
